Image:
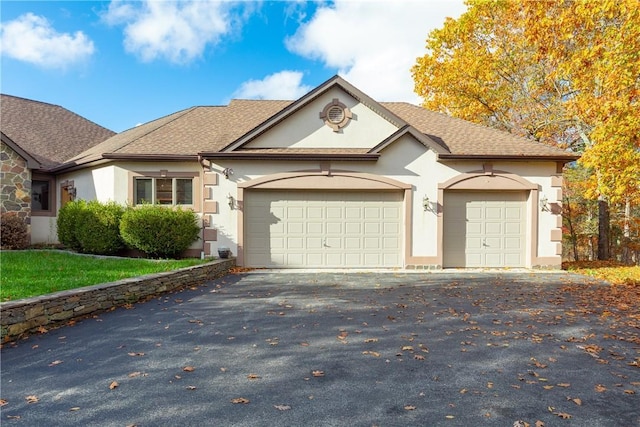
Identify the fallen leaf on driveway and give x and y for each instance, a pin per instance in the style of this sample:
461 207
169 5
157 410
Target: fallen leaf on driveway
3 402
191 387
55 362
136 354
630 392
576 400
113 385
318 373
253 376
31 399
75 408
600 388
188 369
563 415
240 400
409 408
282 407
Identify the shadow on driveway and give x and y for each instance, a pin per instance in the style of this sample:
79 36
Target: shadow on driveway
333 349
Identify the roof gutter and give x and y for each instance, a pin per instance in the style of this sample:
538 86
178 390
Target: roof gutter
292 156
522 158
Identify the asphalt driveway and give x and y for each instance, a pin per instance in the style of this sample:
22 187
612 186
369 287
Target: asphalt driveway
333 349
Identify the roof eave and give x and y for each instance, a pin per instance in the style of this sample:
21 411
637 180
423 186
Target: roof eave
151 157
291 156
521 158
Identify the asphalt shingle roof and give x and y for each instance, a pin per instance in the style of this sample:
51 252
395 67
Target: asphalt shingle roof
209 129
49 133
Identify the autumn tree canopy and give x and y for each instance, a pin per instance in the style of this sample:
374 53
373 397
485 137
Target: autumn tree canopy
562 72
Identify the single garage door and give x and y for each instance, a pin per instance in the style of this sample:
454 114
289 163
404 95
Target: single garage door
323 229
484 229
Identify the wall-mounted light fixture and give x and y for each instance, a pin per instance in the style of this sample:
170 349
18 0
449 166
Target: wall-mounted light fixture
231 201
544 204
72 192
227 172
427 205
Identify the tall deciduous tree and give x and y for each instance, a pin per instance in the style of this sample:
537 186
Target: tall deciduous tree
563 72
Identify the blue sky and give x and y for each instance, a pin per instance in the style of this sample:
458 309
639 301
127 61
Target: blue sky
123 63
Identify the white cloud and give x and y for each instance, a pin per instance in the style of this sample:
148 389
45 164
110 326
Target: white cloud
177 31
282 85
31 38
373 43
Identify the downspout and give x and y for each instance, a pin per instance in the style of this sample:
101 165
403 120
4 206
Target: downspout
202 188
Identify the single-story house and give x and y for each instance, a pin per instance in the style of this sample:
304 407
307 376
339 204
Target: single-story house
336 179
37 137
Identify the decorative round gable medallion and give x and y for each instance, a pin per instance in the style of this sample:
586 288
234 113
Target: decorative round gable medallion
336 115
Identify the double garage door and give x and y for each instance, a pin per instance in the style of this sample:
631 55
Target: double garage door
484 229
323 229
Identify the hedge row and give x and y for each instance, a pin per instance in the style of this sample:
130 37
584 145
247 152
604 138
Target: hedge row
106 228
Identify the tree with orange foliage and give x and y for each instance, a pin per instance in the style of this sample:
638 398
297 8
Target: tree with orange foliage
562 72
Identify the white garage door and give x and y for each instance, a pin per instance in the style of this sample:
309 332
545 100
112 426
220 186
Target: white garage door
484 229
323 229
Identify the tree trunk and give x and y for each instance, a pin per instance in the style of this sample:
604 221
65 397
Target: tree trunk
626 234
572 232
603 230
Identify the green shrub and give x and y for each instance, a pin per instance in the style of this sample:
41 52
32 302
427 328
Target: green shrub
98 228
14 233
68 224
158 231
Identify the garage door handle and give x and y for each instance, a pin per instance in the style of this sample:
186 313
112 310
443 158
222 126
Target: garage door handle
484 243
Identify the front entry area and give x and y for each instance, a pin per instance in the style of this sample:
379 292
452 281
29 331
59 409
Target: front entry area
323 229
484 229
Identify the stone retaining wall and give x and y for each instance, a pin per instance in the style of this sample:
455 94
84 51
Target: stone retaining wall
21 317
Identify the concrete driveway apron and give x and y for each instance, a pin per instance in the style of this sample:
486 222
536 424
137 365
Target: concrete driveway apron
333 349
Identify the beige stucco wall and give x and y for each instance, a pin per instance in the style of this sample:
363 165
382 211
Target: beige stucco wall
409 162
306 130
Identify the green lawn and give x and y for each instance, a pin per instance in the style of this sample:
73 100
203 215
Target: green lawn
31 273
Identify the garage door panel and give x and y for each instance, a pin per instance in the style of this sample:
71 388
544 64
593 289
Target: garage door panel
372 228
295 227
334 212
353 228
493 228
334 227
492 243
314 212
391 243
493 212
314 243
484 229
315 228
323 228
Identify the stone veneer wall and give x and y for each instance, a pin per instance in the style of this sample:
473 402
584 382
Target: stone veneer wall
16 184
18 318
